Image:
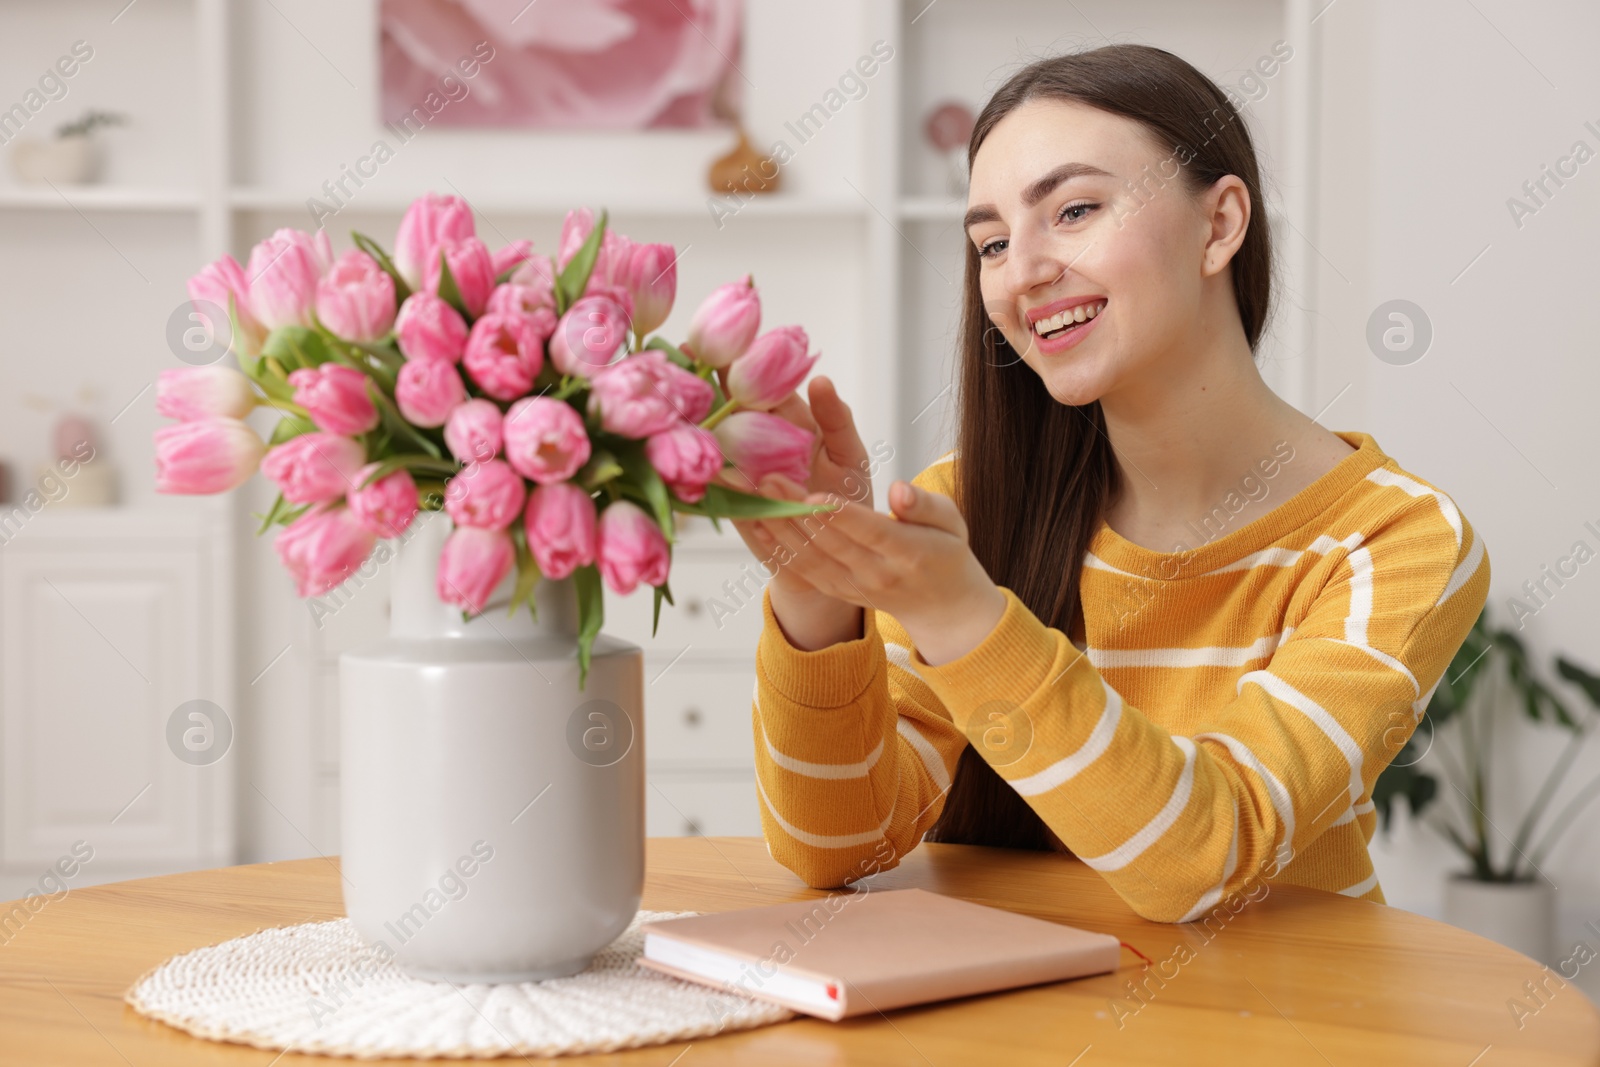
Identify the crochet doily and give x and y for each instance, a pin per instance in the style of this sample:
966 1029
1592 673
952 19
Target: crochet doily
318 988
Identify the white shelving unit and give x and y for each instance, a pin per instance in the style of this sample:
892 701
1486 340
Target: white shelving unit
863 246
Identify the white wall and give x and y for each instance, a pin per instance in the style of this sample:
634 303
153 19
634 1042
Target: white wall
1436 113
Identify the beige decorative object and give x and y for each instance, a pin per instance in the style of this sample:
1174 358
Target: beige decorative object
317 988
62 161
744 170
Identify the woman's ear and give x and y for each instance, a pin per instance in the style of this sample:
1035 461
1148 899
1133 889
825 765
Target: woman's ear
1228 212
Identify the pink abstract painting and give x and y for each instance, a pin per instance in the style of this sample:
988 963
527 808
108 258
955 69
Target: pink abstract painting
561 64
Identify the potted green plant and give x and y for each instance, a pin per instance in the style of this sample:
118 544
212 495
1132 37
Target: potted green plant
1503 894
71 157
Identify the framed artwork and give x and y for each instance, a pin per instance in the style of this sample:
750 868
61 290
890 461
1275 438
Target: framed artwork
560 64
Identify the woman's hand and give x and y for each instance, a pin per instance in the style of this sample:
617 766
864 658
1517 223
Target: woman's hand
914 564
810 618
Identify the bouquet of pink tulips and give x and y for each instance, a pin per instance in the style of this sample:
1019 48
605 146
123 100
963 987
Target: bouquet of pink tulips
524 396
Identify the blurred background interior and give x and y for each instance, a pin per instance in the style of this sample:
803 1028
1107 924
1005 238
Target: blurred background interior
1409 151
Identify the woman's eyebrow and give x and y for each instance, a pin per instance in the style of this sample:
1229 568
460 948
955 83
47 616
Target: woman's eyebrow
1036 190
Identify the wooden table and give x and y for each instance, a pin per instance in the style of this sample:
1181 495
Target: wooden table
1301 977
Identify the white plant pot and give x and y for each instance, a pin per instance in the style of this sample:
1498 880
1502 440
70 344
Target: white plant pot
1519 915
62 161
492 813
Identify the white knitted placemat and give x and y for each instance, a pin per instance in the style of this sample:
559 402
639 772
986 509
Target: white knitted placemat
318 988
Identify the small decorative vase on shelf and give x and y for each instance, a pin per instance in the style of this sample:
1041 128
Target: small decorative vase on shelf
492 813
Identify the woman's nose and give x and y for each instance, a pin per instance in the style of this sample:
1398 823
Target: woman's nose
1031 263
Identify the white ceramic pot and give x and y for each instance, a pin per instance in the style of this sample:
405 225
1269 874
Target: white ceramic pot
492 813
1519 915
63 160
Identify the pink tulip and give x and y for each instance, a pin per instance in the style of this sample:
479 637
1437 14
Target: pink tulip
206 455
506 352
630 548
336 398
771 369
561 528
427 391
651 277
470 266
588 335
355 300
687 458
472 563
516 299
539 274
759 442
429 328
512 255
487 494
199 392
615 249
314 468
473 431
388 505
430 220
323 548
645 394
284 271
725 323
545 439
218 282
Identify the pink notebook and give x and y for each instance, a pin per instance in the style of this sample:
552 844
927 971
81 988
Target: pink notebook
852 953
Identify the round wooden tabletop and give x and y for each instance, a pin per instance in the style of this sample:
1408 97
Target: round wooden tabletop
1298 977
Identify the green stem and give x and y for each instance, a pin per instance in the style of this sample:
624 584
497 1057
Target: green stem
1564 818
1547 791
721 413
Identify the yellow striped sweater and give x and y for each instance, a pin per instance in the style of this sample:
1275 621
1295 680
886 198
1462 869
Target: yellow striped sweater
1220 722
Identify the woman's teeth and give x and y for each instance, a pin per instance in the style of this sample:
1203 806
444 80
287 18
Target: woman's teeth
1081 313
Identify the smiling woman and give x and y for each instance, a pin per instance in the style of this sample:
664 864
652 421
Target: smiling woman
964 669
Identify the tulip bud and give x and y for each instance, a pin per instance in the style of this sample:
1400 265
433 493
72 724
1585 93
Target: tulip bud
506 352
472 563
200 392
429 328
355 300
387 506
284 271
651 279
545 439
630 548
215 284
687 458
427 390
471 268
759 442
206 455
473 431
314 468
323 548
336 398
561 528
588 335
771 369
430 220
487 494
725 323
647 393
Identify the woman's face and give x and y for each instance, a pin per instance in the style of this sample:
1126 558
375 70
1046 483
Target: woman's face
1070 206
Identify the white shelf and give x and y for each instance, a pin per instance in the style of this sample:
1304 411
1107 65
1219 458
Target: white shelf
932 208
97 198
778 205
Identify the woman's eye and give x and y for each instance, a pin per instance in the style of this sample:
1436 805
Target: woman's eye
990 249
1070 208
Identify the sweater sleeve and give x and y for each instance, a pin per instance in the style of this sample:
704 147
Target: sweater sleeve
854 752
1173 822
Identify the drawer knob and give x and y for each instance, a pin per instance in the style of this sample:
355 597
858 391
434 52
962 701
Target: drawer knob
693 607
692 717
691 828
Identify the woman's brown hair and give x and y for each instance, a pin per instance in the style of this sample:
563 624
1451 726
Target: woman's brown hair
1037 473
